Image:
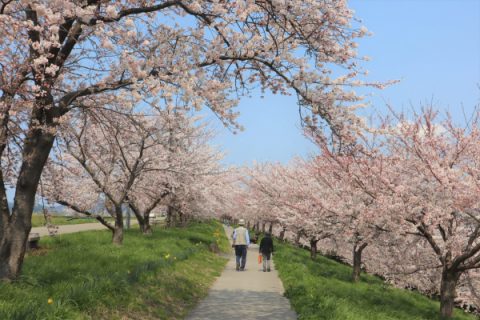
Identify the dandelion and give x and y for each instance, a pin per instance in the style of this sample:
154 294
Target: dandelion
167 256
50 300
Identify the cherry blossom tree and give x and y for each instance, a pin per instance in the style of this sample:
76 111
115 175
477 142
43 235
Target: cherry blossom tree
290 193
349 173
106 153
131 161
185 158
421 182
57 55
433 186
407 191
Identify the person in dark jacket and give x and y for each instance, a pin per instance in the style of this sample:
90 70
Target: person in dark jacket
266 249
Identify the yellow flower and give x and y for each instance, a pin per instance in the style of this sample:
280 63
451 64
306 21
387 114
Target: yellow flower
167 256
50 300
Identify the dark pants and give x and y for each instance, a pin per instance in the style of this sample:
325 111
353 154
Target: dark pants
266 261
241 255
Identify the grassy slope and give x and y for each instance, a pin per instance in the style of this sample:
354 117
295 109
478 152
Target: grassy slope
162 276
322 289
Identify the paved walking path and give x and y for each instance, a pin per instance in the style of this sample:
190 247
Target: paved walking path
70 228
248 295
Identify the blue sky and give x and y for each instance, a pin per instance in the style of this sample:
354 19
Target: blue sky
432 46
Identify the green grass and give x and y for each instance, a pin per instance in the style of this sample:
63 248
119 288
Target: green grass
38 220
322 289
150 277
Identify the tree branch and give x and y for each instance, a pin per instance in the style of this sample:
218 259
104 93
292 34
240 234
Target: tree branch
87 213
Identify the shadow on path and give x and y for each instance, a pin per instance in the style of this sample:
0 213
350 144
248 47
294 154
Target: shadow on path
243 305
248 295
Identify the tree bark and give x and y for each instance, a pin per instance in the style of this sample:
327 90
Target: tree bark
38 144
282 234
186 219
448 292
263 226
313 248
297 239
144 218
182 219
7 100
270 228
357 261
117 237
146 227
4 209
140 218
172 216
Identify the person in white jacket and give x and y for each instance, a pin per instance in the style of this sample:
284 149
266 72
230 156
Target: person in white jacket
241 241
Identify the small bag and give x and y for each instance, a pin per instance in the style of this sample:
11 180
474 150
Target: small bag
259 259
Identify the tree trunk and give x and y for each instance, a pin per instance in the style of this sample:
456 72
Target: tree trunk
282 234
179 220
36 149
270 228
141 223
142 219
183 219
186 219
171 216
4 210
146 227
117 237
12 251
248 224
7 101
313 248
297 239
263 226
448 292
357 261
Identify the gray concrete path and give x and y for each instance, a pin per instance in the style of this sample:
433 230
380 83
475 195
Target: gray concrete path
248 295
70 228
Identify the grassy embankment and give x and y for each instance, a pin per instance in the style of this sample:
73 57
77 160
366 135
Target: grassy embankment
322 289
83 276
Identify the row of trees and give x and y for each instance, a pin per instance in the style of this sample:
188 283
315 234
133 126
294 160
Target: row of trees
401 202
163 160
70 69
95 101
